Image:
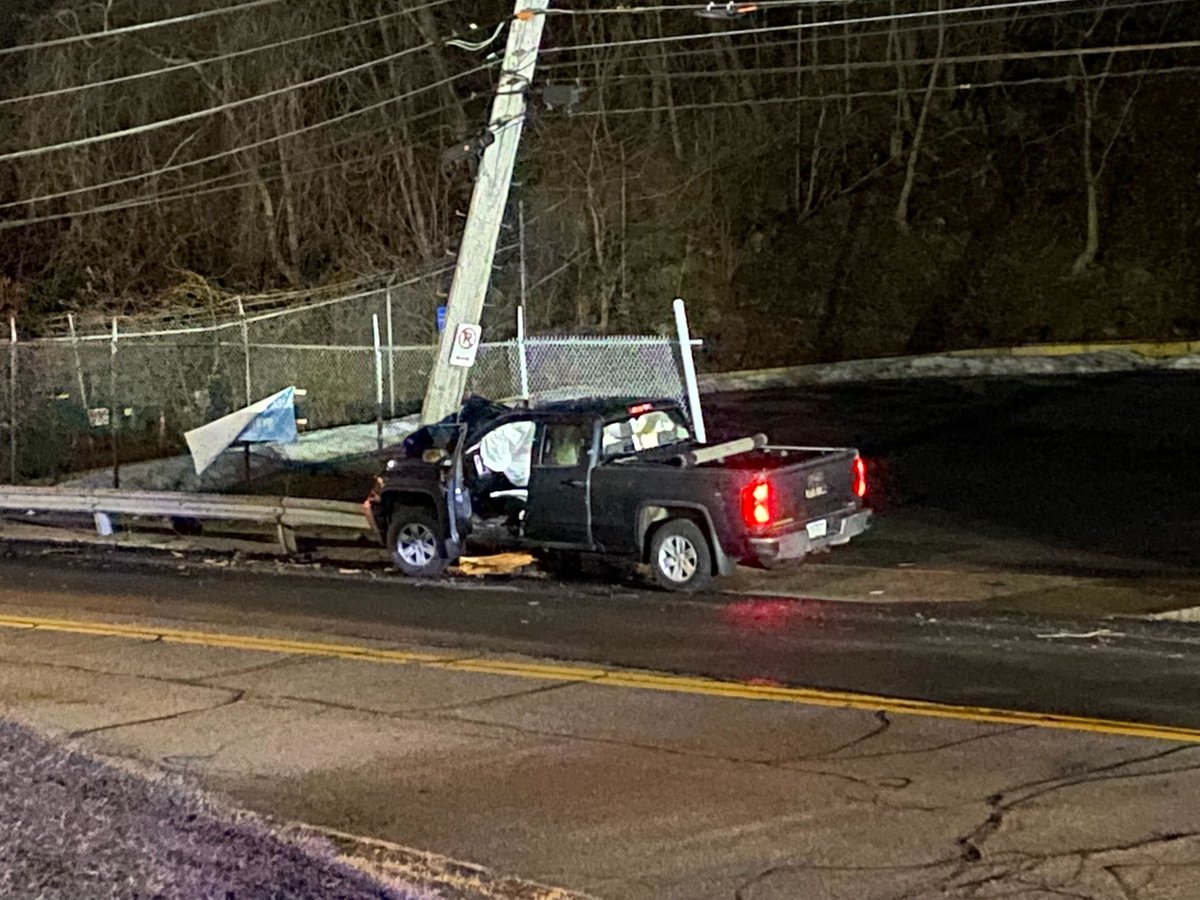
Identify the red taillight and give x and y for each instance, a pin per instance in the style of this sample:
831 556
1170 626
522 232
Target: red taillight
758 504
859 476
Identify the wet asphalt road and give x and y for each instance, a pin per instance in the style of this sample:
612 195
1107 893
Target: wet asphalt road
1142 671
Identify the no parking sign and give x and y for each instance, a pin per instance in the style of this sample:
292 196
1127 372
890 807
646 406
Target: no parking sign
466 345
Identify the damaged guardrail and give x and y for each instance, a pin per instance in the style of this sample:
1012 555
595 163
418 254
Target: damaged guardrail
286 514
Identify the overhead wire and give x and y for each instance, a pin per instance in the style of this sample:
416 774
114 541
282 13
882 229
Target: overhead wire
211 110
296 132
140 26
895 92
233 54
945 60
882 32
209 186
805 26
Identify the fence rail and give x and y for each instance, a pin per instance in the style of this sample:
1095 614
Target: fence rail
284 513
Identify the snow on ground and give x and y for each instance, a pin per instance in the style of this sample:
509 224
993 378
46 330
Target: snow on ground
945 366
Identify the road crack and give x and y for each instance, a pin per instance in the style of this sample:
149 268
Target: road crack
971 844
236 696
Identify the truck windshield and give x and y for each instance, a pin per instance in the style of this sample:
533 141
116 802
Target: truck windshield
645 431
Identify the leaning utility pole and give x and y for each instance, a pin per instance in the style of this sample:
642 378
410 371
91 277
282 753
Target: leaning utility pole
473 270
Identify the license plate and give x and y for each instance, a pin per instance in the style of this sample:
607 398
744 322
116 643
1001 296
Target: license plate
817 529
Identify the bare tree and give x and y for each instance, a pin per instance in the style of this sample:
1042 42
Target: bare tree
914 151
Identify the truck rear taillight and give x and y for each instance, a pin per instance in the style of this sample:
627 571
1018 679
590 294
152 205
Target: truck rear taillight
758 504
858 474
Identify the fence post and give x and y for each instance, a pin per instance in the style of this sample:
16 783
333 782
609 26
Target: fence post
83 397
522 361
391 358
689 371
12 399
378 383
245 348
114 421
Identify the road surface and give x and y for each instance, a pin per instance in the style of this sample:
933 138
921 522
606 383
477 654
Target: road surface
1010 739
474 722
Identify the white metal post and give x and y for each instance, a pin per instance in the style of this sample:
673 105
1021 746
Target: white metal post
114 411
246 349
522 359
391 356
12 399
478 249
689 371
378 383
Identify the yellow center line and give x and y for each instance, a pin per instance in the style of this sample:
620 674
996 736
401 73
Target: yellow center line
663 682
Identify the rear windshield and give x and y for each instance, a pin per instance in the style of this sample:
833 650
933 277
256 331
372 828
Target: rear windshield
645 431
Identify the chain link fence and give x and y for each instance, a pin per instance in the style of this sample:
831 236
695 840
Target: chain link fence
96 401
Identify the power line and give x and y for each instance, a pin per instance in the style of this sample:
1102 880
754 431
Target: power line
213 185
166 70
879 64
759 46
804 26
177 167
209 111
895 92
142 26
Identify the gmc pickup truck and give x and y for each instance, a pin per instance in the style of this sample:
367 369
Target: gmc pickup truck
615 477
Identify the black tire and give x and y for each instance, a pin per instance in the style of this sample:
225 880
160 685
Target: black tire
681 557
415 543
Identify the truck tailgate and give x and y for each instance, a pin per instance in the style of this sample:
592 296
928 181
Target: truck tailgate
806 483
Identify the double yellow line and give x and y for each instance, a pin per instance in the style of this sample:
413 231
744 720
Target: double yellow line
662 682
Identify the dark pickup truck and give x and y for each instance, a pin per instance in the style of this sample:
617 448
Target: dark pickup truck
620 478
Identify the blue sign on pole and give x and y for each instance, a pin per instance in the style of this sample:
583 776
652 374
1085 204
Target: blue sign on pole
441 319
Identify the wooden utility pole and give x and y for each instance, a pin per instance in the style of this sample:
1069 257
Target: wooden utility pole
473 270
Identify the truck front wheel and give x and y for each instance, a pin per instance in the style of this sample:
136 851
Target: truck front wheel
681 557
414 543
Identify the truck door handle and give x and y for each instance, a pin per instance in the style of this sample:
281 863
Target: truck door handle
573 482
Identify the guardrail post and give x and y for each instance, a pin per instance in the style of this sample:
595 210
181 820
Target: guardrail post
287 539
104 525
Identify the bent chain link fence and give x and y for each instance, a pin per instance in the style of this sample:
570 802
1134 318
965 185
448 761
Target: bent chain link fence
94 402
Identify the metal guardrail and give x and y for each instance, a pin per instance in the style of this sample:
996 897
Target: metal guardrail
285 513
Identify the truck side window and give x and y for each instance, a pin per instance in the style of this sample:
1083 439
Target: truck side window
657 428
564 446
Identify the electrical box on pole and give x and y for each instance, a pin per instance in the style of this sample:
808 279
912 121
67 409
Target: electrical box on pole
473 270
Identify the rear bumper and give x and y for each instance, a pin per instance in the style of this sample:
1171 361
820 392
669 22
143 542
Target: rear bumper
797 544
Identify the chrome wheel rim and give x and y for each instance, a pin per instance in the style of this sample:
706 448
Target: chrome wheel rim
416 545
678 559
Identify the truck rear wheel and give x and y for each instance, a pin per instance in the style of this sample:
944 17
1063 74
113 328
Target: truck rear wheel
681 557
414 542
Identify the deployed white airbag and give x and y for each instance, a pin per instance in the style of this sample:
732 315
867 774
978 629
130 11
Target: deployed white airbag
509 451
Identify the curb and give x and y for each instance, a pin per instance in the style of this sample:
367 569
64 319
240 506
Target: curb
451 879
